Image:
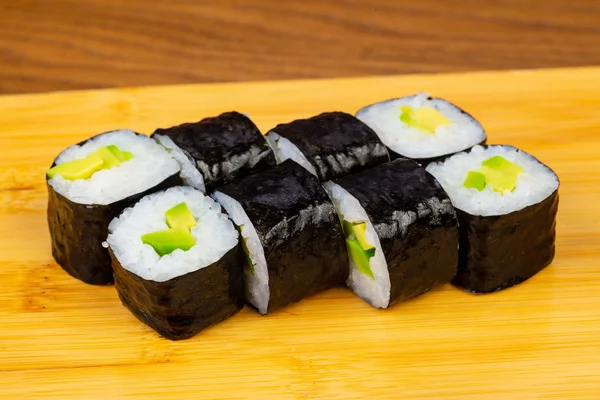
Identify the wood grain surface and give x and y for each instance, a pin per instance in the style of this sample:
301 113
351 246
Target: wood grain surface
60 338
73 44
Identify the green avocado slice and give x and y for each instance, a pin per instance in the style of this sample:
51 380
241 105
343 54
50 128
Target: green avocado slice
108 157
360 250
103 158
77 169
249 262
120 154
348 228
359 231
475 180
501 174
356 231
167 241
360 257
180 217
425 119
500 163
498 180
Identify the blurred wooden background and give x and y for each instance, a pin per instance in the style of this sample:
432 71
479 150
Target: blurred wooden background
78 44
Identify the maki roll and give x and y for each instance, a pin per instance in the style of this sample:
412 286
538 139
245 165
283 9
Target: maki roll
329 145
422 128
401 231
217 150
291 235
89 184
177 262
506 202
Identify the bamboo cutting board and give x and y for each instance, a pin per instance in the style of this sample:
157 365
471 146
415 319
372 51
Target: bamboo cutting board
63 339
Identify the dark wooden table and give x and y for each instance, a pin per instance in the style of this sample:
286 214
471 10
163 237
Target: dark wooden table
77 44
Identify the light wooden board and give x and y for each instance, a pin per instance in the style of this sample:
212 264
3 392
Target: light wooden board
540 340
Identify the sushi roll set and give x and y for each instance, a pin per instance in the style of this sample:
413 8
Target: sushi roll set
293 242
216 150
175 258
422 128
91 183
506 202
201 218
401 231
329 145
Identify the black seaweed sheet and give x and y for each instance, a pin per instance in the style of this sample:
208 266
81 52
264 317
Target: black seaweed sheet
181 307
335 143
415 221
78 230
223 148
501 251
497 252
300 232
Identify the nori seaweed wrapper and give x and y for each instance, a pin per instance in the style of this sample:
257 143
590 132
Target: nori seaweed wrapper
223 148
497 252
183 306
335 143
415 221
78 230
298 228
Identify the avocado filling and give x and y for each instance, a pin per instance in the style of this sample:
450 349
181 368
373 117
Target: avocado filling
104 158
425 119
120 154
475 180
169 240
497 172
249 263
180 217
77 169
360 250
180 221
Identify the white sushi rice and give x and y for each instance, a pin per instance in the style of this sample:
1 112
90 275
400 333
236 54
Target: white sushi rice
257 284
189 173
376 291
214 233
150 165
533 186
384 118
285 149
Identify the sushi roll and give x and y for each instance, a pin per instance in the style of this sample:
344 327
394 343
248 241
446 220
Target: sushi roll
422 128
291 236
217 150
177 262
401 231
506 202
89 184
329 145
